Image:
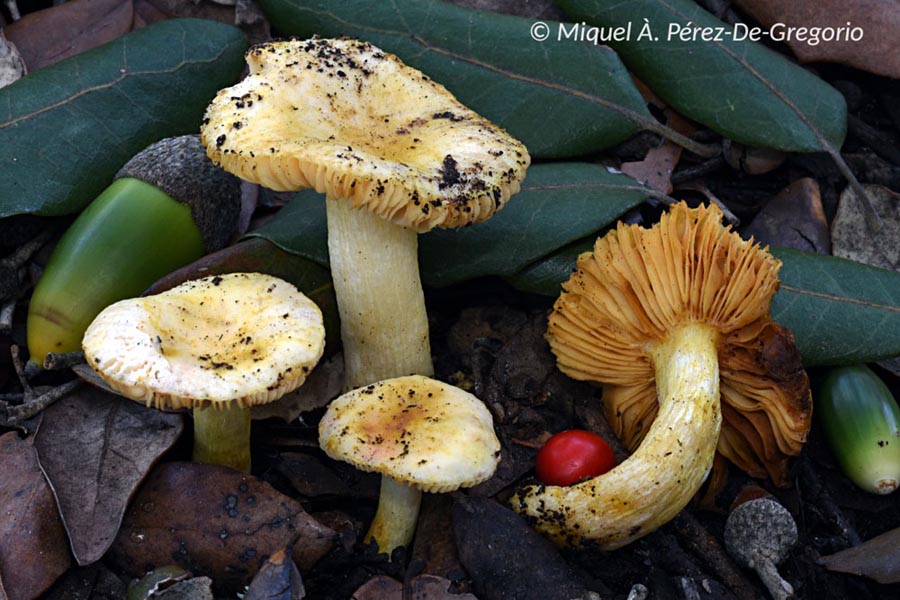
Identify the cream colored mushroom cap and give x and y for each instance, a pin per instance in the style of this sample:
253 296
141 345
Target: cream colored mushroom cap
355 123
246 338
415 430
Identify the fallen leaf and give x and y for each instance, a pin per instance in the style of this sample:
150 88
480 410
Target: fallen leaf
313 478
278 579
33 548
793 218
324 383
506 558
878 20
852 232
421 587
11 65
434 548
741 89
95 448
655 170
93 582
877 558
214 521
48 36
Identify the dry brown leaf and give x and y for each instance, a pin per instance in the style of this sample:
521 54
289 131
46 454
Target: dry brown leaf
34 551
214 521
879 20
793 218
95 448
877 558
655 170
50 35
855 236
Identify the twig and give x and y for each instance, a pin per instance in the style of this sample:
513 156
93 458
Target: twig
55 361
809 480
13 9
703 544
18 258
699 170
17 414
20 371
702 150
6 315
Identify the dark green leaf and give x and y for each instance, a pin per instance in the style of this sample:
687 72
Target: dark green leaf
559 203
741 89
65 130
546 276
841 312
561 98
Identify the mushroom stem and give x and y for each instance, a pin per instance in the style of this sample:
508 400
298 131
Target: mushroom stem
384 326
651 486
395 520
222 437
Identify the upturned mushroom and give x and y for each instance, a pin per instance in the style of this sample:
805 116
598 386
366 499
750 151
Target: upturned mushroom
395 154
218 345
670 319
421 435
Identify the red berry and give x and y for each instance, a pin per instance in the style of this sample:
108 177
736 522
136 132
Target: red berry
571 456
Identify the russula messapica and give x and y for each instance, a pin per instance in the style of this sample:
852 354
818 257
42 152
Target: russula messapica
421 435
218 345
395 154
669 319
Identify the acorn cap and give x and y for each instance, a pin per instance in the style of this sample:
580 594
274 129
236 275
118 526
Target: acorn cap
355 123
246 338
415 430
179 167
640 284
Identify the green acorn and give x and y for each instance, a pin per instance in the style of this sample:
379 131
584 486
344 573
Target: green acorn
168 206
862 424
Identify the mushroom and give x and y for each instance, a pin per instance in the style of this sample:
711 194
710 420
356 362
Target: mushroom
760 534
667 318
421 435
218 345
395 154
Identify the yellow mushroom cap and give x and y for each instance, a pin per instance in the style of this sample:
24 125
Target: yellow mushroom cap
415 430
355 123
639 284
246 338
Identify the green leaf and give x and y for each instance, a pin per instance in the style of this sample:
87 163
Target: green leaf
559 203
65 130
560 98
740 89
841 312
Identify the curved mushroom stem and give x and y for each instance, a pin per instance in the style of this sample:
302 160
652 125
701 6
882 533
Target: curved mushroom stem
395 520
375 267
651 486
222 437
774 582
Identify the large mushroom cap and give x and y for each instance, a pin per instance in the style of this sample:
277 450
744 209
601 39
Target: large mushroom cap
345 118
638 285
415 430
246 338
